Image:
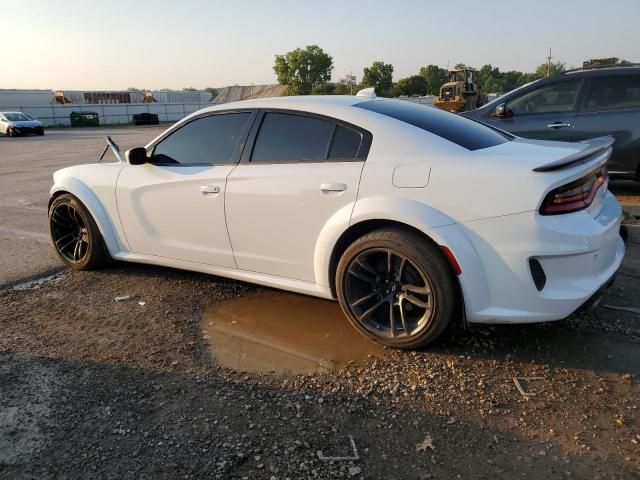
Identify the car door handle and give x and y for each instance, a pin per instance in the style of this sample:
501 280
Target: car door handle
558 125
333 187
209 189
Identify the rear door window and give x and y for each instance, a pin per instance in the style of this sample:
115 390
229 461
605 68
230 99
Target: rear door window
614 92
556 98
287 137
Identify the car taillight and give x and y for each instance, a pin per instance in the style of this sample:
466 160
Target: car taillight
576 195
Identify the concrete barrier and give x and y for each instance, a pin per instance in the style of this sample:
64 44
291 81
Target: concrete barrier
58 115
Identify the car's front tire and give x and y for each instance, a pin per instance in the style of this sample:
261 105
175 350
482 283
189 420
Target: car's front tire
75 235
396 288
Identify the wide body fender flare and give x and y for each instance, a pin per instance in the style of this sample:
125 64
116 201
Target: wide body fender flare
96 208
431 222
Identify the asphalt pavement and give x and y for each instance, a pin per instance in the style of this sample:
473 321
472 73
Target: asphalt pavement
26 168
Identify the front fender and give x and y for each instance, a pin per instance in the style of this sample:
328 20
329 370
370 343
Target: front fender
96 208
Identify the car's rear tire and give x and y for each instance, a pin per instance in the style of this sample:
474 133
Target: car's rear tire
9 132
396 288
75 235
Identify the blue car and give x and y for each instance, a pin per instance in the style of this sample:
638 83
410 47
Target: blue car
13 124
576 105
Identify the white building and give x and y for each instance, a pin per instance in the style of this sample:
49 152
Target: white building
12 98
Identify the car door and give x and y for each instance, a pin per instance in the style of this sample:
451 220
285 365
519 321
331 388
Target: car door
300 172
173 206
546 112
612 107
3 124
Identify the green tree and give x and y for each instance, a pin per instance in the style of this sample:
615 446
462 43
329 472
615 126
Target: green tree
342 89
189 89
302 70
326 89
346 85
435 77
513 79
543 69
488 78
380 76
413 85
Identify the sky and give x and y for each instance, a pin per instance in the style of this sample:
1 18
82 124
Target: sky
153 44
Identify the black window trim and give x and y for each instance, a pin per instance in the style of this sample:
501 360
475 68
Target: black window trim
235 159
576 106
361 156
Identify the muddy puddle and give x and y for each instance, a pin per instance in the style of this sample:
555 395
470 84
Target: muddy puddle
278 332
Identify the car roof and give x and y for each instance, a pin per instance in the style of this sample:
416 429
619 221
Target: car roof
303 102
597 71
3 113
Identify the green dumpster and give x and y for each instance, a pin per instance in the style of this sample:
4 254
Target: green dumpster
84 119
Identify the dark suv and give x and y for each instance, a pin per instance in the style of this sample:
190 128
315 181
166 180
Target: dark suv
574 106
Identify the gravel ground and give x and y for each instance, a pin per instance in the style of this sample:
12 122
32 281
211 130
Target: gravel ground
93 388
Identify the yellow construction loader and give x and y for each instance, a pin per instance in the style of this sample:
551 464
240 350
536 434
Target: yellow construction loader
460 94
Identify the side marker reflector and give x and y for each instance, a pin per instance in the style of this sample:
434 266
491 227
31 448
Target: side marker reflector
452 259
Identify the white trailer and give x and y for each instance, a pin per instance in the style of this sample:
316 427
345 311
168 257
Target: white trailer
13 99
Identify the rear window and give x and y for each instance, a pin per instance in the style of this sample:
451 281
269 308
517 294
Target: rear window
462 131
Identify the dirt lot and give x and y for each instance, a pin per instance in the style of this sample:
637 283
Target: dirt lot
91 387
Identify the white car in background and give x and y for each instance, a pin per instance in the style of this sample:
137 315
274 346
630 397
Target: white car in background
13 124
411 217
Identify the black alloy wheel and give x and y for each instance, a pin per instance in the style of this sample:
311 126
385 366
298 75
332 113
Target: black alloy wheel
388 294
75 235
69 233
397 288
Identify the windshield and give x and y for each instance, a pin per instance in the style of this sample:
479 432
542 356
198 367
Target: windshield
18 117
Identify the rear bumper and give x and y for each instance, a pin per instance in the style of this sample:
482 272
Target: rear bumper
595 299
579 253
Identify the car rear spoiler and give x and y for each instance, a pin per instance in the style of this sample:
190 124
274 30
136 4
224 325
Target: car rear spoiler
596 147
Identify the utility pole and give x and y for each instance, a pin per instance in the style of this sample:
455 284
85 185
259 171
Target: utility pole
549 63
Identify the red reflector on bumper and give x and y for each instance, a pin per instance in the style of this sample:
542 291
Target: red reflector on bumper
452 259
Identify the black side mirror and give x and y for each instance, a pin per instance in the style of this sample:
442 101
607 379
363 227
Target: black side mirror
501 110
136 156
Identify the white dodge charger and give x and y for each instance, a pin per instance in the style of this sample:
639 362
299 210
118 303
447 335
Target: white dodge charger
411 217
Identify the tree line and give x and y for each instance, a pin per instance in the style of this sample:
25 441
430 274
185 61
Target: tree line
306 71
